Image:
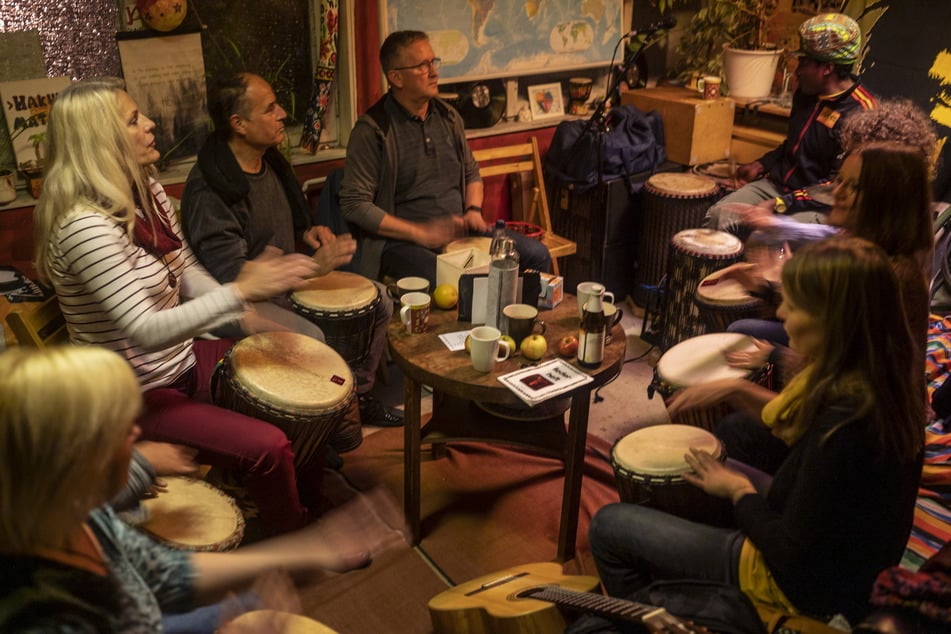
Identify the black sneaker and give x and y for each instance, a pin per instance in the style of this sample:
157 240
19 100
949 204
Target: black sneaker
373 412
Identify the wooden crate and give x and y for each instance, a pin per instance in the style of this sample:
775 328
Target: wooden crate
696 131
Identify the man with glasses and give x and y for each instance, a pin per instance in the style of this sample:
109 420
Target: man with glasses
784 178
410 182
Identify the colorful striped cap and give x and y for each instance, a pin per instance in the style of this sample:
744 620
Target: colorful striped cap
830 37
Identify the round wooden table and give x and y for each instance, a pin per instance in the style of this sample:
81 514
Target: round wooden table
424 359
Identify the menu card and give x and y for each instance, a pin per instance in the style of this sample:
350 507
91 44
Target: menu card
538 383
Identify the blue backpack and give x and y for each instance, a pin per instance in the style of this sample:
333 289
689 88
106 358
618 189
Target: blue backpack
582 155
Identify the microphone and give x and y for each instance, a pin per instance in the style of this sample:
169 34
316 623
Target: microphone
666 23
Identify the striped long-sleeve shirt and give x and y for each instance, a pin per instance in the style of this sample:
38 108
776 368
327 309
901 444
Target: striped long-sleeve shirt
115 294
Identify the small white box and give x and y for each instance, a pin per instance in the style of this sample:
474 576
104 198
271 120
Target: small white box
449 266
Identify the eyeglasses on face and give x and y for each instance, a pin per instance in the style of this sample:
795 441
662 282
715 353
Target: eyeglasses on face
427 66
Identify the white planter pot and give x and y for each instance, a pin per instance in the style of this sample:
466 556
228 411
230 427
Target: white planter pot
749 74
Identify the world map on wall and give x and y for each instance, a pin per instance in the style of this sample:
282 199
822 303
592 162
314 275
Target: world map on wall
481 39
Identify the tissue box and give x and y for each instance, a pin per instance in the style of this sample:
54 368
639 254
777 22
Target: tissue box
552 290
449 266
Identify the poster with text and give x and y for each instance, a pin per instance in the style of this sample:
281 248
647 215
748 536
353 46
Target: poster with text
166 78
26 108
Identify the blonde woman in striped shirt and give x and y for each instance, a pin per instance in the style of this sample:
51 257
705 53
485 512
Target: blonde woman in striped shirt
110 244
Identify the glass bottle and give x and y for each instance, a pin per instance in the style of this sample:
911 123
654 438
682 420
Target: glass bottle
502 286
593 330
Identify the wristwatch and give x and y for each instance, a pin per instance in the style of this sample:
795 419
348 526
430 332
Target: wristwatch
474 208
780 206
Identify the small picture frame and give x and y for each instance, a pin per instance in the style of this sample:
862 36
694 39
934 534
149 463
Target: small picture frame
546 101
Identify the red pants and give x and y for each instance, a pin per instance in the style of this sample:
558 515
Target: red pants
257 451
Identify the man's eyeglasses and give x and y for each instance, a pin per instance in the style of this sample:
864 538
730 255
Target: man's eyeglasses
427 66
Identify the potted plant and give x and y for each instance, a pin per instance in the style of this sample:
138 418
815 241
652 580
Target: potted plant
731 38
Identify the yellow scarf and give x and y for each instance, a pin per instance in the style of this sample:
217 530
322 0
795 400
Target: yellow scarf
779 414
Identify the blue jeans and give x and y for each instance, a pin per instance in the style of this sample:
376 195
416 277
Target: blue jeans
405 259
770 330
634 545
751 442
208 618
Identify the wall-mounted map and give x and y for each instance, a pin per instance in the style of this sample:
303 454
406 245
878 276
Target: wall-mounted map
481 39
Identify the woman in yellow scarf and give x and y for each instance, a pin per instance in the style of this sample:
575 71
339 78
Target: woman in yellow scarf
840 506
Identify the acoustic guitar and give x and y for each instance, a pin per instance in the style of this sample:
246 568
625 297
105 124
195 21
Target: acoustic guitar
525 600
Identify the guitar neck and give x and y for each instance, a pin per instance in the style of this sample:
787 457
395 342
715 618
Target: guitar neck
657 620
597 603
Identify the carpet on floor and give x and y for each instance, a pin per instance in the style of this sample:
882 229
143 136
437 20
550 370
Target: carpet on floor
488 507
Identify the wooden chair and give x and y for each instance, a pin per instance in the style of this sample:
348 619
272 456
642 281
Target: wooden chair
523 159
42 327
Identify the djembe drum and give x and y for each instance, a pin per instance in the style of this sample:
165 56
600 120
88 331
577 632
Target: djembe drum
290 380
694 254
193 515
343 305
278 622
649 466
701 360
670 202
721 301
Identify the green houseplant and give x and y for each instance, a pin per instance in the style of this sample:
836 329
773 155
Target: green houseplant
717 30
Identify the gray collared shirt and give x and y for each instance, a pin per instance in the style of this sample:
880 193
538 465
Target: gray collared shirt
427 180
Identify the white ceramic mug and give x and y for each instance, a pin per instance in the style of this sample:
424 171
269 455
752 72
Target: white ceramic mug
485 347
406 285
584 293
414 312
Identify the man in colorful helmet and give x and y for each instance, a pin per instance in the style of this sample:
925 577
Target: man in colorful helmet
828 91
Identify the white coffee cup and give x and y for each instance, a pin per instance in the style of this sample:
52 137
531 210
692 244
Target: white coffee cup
484 347
406 285
414 312
584 293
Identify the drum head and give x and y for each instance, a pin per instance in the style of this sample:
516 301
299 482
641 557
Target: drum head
716 290
701 359
659 450
474 242
291 371
338 291
682 184
277 622
193 515
707 242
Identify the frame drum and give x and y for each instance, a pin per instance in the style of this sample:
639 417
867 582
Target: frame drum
694 254
649 466
193 515
670 202
343 305
699 360
290 380
720 302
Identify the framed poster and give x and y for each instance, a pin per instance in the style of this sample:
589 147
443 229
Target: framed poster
26 107
166 78
546 101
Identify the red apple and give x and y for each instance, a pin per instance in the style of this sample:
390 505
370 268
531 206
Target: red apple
567 346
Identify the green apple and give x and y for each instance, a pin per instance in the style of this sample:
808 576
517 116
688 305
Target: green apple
512 347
